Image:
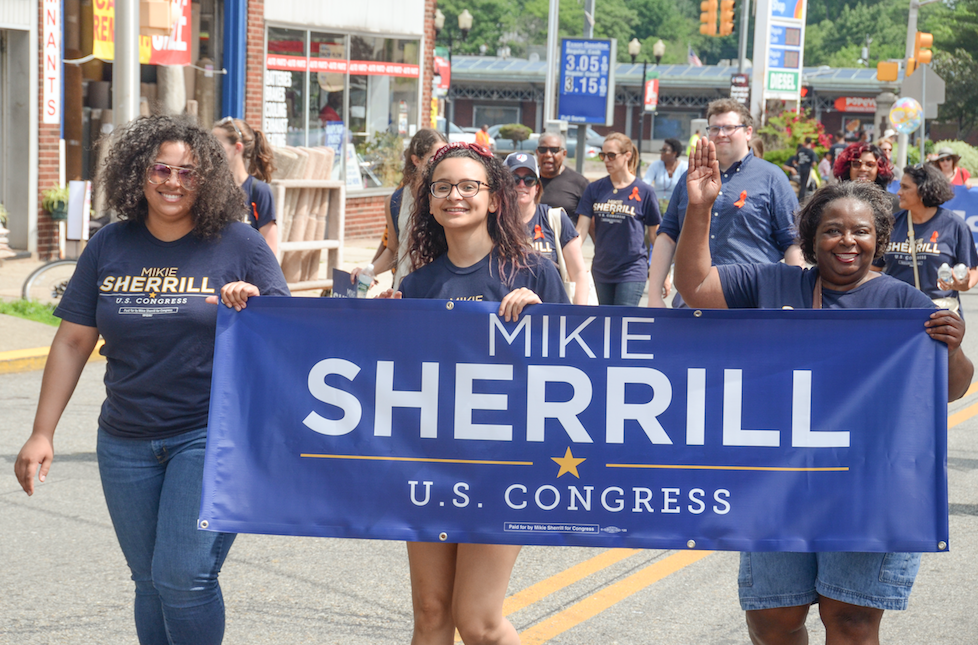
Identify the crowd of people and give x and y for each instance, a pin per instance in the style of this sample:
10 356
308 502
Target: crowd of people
466 225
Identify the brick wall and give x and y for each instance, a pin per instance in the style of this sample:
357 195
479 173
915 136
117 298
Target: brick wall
47 157
365 216
255 63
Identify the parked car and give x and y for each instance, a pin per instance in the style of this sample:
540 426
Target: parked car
456 134
505 146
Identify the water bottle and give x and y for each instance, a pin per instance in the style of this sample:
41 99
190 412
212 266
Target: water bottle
960 272
366 278
944 273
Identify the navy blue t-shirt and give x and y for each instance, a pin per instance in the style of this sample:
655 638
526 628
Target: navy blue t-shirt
620 217
442 280
146 298
261 204
774 286
543 239
943 238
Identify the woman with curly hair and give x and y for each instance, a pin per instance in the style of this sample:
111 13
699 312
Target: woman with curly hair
863 161
147 285
925 236
841 229
252 163
468 242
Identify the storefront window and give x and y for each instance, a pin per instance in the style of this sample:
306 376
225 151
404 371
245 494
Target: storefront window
285 87
361 89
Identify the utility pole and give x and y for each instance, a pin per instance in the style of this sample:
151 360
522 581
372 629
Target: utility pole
902 139
744 24
125 67
582 127
550 86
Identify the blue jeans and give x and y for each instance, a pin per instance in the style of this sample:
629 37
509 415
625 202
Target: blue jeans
152 489
626 294
880 580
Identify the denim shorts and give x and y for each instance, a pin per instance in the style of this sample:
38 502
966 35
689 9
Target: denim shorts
880 580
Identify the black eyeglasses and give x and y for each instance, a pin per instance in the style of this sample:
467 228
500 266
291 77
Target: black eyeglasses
230 119
610 156
542 150
528 180
160 173
466 188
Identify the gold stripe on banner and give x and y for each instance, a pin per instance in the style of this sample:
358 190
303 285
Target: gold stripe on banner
421 460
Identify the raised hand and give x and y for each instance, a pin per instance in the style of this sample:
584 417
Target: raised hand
703 179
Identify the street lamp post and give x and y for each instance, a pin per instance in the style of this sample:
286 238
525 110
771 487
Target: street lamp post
464 26
658 51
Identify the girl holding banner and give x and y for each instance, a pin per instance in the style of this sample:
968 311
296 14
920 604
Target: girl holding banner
468 242
842 229
147 285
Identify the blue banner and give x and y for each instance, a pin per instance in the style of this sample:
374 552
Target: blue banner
965 205
586 426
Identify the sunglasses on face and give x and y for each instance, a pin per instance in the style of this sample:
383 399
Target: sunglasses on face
160 173
466 188
868 165
542 150
610 156
526 180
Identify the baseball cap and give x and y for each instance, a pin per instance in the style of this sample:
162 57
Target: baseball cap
522 160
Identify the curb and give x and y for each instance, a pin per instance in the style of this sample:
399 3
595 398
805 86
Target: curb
30 360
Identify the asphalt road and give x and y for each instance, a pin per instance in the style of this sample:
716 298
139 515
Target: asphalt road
63 578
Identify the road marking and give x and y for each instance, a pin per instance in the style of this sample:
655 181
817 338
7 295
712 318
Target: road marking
566 578
962 415
608 597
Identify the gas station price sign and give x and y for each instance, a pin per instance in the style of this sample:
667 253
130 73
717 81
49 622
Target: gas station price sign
587 81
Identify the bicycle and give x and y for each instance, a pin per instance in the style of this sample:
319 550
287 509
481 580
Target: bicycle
47 283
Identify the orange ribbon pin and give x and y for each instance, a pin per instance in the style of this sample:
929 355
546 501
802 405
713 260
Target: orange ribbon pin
634 194
743 199
537 232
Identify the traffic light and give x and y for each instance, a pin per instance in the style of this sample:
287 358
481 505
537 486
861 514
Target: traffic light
708 17
726 17
922 54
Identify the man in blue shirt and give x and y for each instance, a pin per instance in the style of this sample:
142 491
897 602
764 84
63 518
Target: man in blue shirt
753 217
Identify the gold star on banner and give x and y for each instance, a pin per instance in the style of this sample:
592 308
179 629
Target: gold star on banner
152 295
568 464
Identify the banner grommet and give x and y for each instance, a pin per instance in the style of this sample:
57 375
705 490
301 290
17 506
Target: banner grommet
443 536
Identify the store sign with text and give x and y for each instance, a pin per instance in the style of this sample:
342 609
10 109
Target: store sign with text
173 49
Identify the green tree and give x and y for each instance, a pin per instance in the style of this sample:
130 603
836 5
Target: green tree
961 96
